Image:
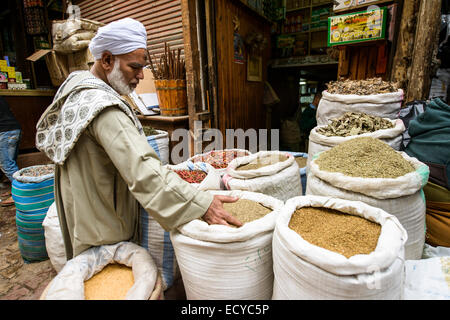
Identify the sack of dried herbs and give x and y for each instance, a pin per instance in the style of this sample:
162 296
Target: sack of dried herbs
223 262
372 96
369 170
274 173
306 251
352 125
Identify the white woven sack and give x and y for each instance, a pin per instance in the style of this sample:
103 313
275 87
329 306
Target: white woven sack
318 142
305 271
54 242
220 262
203 157
160 143
69 282
402 197
385 105
427 279
212 180
280 180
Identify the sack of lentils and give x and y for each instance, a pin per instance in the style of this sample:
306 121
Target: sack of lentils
219 159
372 96
369 170
222 262
121 271
274 173
352 250
201 175
351 125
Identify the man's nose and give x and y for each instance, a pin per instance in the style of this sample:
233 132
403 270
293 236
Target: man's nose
140 74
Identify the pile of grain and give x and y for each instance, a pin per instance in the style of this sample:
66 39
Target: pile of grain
361 87
301 161
364 157
246 210
149 131
336 231
112 283
38 171
354 123
263 162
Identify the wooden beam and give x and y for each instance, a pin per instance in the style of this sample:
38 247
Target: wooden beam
192 60
405 43
428 23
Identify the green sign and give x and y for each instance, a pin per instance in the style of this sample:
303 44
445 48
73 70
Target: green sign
357 27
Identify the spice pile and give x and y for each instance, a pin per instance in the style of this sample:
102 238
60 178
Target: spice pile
364 157
354 123
301 161
191 176
336 231
220 159
38 171
262 162
112 283
246 210
361 87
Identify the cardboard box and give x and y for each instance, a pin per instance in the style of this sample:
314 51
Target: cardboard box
61 65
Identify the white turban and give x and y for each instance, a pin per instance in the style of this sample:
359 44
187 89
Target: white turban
119 37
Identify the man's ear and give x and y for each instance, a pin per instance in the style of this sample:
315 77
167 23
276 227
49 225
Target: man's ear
107 61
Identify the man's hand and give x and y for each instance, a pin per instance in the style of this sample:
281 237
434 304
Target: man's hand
216 214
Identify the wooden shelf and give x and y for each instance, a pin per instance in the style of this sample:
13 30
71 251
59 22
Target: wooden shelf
27 93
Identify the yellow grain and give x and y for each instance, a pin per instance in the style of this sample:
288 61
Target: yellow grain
112 283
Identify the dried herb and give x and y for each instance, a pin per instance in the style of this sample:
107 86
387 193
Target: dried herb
354 123
149 131
191 176
336 231
262 162
364 157
361 87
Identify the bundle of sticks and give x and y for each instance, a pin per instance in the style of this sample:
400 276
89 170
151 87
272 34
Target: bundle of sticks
170 65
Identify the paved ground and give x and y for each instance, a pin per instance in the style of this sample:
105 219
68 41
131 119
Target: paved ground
18 280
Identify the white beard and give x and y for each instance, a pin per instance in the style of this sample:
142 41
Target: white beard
117 80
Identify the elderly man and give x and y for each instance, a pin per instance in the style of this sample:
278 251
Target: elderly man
104 164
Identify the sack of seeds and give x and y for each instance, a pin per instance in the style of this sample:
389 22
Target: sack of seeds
369 170
225 262
201 175
342 129
385 105
69 283
329 248
274 173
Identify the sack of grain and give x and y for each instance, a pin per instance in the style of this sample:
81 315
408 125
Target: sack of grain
319 142
274 173
219 159
156 240
302 159
385 105
53 239
401 196
201 175
69 283
303 270
224 262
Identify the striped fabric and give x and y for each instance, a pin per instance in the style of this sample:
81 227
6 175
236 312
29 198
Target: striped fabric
32 201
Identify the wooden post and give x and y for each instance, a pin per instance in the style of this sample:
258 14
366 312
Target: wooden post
425 43
405 43
192 62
